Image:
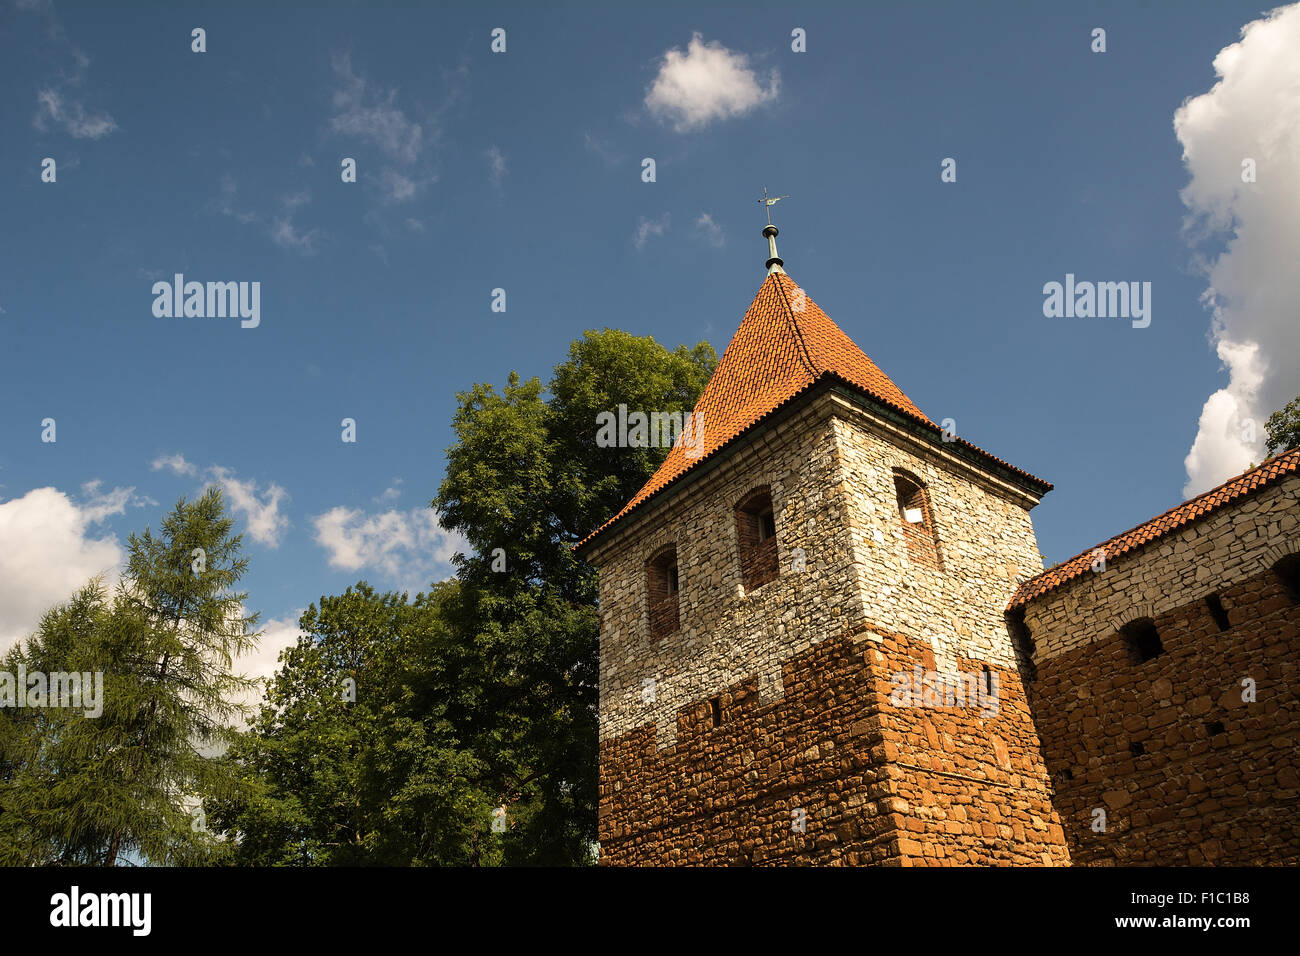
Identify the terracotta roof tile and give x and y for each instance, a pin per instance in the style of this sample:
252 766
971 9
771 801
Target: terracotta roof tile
1191 510
784 345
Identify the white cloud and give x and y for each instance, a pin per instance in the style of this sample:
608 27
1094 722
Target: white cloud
97 507
647 228
706 83
1253 111
368 113
415 225
391 493
371 114
286 235
71 114
261 514
176 464
259 508
58 102
50 551
397 187
262 663
408 547
712 231
496 166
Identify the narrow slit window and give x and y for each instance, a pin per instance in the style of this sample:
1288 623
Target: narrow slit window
1217 611
1022 642
715 711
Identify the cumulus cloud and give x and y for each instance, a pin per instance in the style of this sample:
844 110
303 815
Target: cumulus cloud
261 663
176 464
407 547
258 507
51 549
1252 112
711 230
647 228
706 83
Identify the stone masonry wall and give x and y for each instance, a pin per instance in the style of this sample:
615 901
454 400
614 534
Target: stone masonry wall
799 670
726 634
1185 770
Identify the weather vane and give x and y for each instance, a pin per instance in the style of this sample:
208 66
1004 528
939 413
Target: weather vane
769 203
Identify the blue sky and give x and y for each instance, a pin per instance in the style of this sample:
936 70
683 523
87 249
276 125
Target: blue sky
522 170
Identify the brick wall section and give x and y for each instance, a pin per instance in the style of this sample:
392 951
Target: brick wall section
877 783
1140 740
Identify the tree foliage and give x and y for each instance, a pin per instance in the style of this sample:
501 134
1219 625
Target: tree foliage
126 784
481 694
354 758
1283 428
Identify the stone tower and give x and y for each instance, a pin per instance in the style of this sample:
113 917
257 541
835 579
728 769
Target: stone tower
803 654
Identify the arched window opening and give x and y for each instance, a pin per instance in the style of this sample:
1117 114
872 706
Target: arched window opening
663 586
1288 569
918 520
1142 639
756 535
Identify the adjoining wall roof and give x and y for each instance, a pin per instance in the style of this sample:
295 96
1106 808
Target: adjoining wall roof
1191 510
784 346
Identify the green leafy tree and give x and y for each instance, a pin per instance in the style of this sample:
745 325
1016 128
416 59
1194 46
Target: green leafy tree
129 782
482 693
354 758
1283 428
526 481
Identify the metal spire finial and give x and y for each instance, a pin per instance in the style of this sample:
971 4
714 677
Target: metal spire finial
774 262
769 203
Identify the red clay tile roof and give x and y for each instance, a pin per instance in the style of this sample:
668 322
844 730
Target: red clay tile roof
1191 510
784 345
